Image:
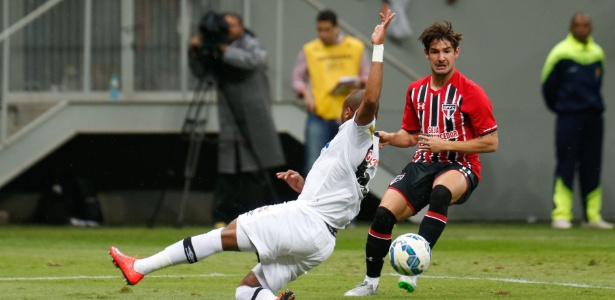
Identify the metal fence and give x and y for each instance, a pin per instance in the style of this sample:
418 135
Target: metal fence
77 45
70 49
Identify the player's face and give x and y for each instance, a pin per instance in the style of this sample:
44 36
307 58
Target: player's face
442 57
327 32
581 28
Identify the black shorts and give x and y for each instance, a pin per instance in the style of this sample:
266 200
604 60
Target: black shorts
416 180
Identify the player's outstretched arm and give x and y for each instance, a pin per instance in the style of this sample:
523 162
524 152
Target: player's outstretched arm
368 108
401 139
293 179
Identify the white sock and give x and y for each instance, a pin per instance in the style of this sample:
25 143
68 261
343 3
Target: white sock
152 263
245 292
196 248
373 281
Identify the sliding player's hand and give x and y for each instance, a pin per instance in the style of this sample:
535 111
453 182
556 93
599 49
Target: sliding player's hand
293 179
380 30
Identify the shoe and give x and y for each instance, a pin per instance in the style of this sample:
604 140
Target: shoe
561 224
125 264
407 283
286 295
363 289
600 224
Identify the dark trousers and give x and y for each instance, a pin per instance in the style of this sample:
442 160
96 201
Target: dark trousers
579 148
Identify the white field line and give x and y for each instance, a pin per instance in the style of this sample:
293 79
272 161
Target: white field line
108 277
512 280
523 281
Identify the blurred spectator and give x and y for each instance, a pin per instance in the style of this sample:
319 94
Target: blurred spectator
248 141
571 83
327 69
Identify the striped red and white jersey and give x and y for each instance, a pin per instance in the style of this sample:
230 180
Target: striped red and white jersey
459 111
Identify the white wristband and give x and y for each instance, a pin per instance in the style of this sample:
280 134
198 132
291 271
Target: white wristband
378 53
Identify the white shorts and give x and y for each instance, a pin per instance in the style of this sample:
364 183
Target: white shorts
289 242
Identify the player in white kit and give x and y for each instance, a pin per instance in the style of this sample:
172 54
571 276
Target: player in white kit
293 237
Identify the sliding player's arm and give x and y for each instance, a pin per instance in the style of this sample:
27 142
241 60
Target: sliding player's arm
369 107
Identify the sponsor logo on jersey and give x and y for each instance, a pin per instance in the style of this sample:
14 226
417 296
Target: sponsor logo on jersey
449 135
420 106
371 161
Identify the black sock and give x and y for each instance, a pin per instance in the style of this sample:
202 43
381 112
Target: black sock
379 241
434 222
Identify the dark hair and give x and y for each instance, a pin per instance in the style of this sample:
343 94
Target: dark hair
354 99
440 31
328 16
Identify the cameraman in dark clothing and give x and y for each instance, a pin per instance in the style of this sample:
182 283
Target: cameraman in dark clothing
248 141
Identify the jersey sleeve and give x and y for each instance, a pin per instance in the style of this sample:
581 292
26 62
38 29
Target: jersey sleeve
478 106
361 134
410 120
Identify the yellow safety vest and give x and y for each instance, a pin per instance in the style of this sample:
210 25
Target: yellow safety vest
326 65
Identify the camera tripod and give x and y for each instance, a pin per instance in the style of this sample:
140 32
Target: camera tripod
194 129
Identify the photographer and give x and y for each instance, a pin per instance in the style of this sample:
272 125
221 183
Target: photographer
248 141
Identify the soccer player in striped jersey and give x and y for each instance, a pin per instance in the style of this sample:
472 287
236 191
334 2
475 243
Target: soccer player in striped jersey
450 118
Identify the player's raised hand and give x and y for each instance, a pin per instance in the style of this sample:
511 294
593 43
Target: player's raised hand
380 30
293 179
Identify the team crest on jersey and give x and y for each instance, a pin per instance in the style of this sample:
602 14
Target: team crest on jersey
449 110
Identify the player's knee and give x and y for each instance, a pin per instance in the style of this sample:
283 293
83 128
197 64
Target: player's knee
440 199
384 220
250 280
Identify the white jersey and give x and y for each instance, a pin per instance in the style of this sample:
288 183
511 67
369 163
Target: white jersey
338 180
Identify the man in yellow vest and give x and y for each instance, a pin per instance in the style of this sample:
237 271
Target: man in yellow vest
328 68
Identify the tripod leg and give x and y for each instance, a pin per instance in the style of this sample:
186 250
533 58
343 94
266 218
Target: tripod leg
192 120
192 161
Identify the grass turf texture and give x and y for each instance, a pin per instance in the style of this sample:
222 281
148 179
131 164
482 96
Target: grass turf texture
471 261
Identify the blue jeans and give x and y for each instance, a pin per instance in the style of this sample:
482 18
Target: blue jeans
318 132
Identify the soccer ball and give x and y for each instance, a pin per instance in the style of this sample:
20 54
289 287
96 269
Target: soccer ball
410 254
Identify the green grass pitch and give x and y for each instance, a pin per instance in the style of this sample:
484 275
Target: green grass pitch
471 261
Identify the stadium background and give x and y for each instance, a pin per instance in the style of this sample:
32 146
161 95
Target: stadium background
53 122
